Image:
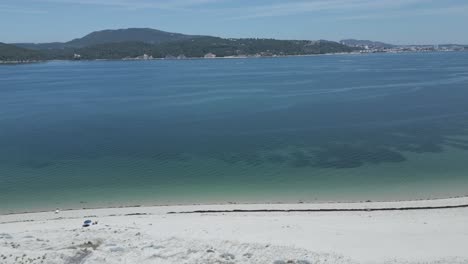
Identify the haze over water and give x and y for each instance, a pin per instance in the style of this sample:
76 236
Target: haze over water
338 127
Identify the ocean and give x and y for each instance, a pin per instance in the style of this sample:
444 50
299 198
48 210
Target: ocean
87 134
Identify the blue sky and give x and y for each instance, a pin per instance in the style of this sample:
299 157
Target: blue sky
394 21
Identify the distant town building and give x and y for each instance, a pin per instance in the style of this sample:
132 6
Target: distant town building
76 56
144 57
210 55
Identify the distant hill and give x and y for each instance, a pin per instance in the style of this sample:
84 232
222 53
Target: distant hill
13 53
368 43
134 42
145 35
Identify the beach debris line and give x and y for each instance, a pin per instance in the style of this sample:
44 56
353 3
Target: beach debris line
321 210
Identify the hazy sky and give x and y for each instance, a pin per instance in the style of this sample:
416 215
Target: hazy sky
394 21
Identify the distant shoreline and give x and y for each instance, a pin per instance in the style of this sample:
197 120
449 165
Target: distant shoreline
177 59
218 58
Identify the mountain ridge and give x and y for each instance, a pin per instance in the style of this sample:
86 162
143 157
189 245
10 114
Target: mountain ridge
145 35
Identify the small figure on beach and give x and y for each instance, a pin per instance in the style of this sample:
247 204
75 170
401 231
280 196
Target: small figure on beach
57 211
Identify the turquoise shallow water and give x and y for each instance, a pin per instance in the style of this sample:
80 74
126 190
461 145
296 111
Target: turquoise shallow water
340 127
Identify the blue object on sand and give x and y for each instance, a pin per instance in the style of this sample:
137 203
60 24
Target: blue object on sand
87 222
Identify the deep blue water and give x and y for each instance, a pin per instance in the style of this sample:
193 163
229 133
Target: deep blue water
345 127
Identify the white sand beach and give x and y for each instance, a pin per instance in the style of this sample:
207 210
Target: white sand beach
141 235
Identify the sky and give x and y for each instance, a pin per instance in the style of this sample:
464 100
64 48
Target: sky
392 21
